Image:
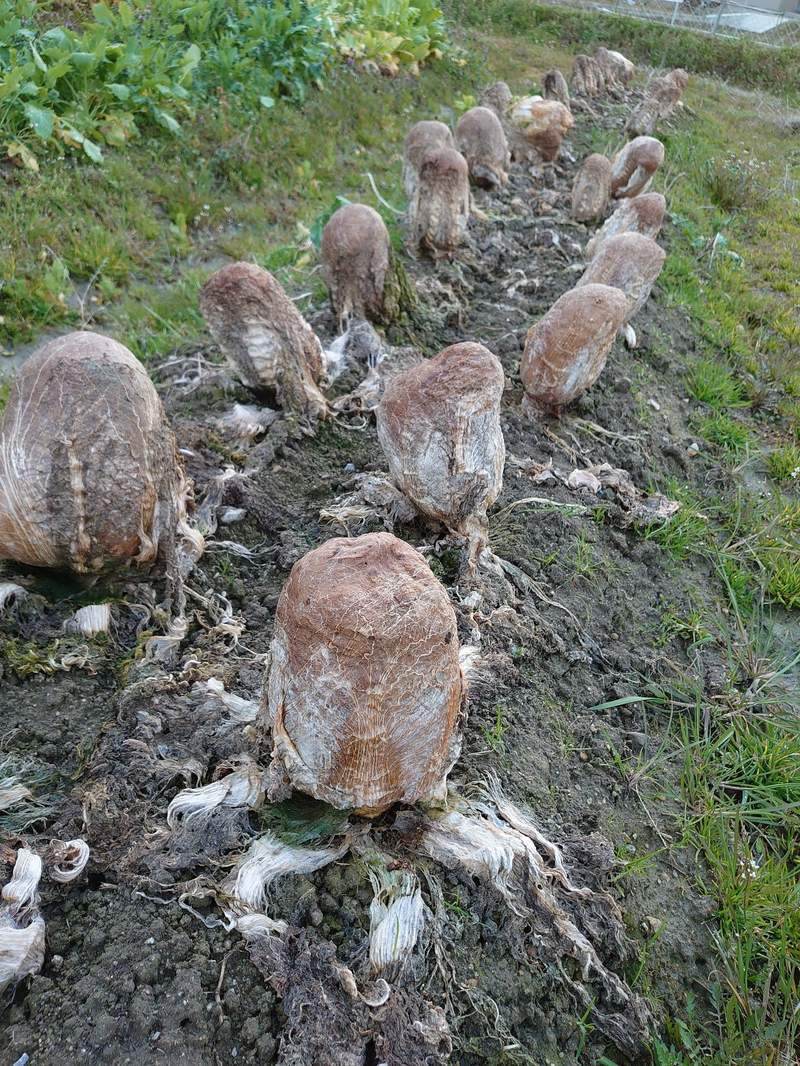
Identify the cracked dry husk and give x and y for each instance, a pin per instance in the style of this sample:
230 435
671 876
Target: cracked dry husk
630 262
566 350
439 427
641 214
482 141
90 479
264 337
365 685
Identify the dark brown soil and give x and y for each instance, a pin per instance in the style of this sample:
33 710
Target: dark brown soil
130 977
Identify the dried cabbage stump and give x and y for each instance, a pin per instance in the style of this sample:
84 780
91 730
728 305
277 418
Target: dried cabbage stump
365 686
356 262
264 337
482 141
630 262
439 211
422 138
566 350
439 427
90 480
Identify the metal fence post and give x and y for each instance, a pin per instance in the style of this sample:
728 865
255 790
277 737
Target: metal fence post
719 16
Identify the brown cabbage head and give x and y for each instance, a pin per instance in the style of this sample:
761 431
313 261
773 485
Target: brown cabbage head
268 343
365 687
439 427
90 480
566 350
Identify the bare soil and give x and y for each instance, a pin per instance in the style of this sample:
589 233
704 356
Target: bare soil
131 977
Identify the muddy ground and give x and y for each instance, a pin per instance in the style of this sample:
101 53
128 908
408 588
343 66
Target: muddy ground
132 977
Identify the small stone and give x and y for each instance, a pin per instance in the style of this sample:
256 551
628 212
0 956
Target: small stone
654 404
56 962
584 756
693 449
651 926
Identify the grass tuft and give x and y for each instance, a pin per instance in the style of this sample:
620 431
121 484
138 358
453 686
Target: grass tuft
710 381
783 463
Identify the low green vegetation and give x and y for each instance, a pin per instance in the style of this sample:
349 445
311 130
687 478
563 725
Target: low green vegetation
740 61
134 65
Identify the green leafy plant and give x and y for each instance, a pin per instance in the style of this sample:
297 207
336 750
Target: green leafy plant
135 64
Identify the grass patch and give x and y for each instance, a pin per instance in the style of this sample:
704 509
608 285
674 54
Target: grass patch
783 463
741 788
726 433
783 585
710 381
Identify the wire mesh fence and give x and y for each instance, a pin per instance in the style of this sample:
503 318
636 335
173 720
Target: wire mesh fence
724 18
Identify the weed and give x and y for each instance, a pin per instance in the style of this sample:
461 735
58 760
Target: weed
710 381
494 735
783 463
732 436
735 181
783 585
584 561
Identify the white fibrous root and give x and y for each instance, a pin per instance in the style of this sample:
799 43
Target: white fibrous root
439 211
68 859
90 479
591 189
496 842
240 788
264 337
630 262
554 87
542 125
10 593
356 265
374 498
238 708
633 167
165 647
566 350
245 891
245 421
422 138
641 214
481 140
397 917
91 620
439 427
365 685
22 933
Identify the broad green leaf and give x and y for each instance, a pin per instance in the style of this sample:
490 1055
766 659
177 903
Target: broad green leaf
41 120
122 92
92 150
40 63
